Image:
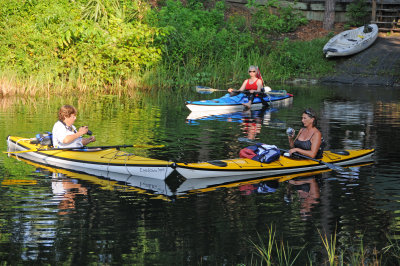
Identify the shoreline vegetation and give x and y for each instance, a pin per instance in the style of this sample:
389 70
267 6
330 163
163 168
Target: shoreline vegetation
271 249
118 47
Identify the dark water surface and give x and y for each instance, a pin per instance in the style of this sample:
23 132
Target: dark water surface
55 216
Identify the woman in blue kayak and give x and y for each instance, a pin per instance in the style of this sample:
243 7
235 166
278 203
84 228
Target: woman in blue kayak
308 141
252 86
64 132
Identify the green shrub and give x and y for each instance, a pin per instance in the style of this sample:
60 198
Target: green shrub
358 13
198 35
95 42
283 19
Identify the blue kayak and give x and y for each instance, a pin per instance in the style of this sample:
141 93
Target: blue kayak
235 103
236 117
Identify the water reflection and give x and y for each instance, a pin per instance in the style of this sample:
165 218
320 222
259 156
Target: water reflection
308 192
65 190
128 221
251 121
263 187
66 187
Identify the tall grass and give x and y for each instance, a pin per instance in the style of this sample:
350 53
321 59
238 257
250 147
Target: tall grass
265 251
272 251
330 247
286 60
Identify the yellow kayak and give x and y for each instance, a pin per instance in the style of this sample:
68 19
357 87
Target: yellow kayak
247 168
156 188
102 158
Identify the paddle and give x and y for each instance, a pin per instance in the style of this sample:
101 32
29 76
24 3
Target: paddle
88 148
208 90
329 165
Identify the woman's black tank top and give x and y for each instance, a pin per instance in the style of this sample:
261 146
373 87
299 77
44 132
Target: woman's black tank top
306 145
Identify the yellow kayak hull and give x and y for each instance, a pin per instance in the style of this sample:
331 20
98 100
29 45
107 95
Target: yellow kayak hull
109 159
248 168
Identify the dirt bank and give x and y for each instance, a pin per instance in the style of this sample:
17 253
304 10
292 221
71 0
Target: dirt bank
378 65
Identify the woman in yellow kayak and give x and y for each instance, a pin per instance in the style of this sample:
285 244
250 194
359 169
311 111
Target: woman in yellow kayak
308 141
64 132
251 86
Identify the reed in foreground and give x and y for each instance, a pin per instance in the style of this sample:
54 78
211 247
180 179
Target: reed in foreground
274 252
271 251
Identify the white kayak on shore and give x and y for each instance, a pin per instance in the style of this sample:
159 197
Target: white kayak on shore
351 41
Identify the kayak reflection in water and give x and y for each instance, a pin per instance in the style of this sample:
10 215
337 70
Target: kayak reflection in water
307 191
251 126
252 87
65 190
252 121
262 188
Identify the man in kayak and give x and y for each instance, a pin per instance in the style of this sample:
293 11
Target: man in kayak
252 86
308 141
64 132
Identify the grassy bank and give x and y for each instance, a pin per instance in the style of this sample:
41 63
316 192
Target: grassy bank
119 47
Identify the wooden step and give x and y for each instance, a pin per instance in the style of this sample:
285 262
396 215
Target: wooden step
388 10
380 16
390 29
384 22
388 4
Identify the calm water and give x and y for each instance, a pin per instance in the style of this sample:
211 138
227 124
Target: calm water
52 215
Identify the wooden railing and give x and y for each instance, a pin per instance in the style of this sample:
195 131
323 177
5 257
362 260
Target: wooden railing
386 14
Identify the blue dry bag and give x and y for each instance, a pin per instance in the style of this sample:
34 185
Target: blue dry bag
261 152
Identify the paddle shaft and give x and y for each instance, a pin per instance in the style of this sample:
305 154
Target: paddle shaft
89 148
211 90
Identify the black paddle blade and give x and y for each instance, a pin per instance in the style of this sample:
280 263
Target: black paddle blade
338 168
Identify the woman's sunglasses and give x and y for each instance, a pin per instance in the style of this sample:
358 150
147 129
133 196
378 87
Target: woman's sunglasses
308 112
251 71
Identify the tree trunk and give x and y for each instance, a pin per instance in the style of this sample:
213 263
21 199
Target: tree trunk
329 15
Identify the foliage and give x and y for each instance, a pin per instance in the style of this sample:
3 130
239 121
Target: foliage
275 18
95 42
115 46
358 12
297 58
198 35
